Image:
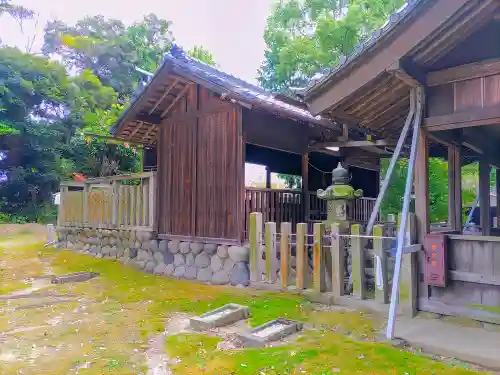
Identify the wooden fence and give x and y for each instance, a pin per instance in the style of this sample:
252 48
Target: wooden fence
126 201
287 205
332 260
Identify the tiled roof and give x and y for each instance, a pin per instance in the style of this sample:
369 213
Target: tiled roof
233 86
178 62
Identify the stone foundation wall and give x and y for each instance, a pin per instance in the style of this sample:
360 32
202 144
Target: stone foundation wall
204 262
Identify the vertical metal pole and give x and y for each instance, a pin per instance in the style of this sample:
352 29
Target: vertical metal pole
394 159
419 97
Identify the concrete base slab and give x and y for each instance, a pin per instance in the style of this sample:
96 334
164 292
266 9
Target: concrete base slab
74 277
469 344
272 331
222 316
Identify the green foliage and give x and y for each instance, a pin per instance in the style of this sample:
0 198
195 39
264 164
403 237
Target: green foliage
109 49
305 36
291 181
438 188
202 54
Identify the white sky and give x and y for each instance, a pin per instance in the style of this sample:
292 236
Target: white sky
232 30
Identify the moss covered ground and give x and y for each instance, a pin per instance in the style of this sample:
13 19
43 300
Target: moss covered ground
103 326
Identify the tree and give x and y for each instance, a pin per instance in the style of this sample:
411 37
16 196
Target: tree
44 112
438 187
31 90
20 14
305 36
291 181
200 53
109 49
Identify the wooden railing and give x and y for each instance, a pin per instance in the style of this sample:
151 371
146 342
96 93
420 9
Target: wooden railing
126 201
282 205
275 205
360 209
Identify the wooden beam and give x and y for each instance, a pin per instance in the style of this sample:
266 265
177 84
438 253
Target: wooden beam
464 72
305 185
348 81
484 197
345 132
421 186
348 144
132 133
268 178
180 95
151 128
465 119
400 73
454 189
477 278
497 189
150 119
167 91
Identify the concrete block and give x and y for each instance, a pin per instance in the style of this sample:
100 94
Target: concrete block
222 316
270 331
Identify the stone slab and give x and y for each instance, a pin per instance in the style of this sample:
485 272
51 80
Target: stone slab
222 316
74 277
469 344
266 333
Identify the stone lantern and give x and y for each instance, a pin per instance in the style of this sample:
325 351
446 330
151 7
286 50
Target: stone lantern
340 196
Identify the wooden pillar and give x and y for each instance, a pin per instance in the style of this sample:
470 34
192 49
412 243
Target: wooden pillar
286 230
454 188
484 197
380 265
61 219
421 190
338 261
301 256
268 178
358 263
255 237
319 284
271 258
498 196
422 185
305 185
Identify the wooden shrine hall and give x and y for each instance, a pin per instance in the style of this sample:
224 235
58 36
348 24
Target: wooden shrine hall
438 63
204 125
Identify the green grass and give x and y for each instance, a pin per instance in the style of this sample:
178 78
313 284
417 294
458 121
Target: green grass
316 352
491 309
126 285
127 307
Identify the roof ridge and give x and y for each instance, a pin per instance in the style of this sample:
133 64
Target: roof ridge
179 53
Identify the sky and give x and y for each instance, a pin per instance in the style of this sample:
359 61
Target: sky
232 30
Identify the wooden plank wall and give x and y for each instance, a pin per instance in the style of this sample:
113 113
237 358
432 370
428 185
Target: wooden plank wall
201 168
219 146
473 88
474 279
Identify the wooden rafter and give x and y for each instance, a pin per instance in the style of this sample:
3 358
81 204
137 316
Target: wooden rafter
167 91
132 133
381 97
151 128
400 103
180 95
